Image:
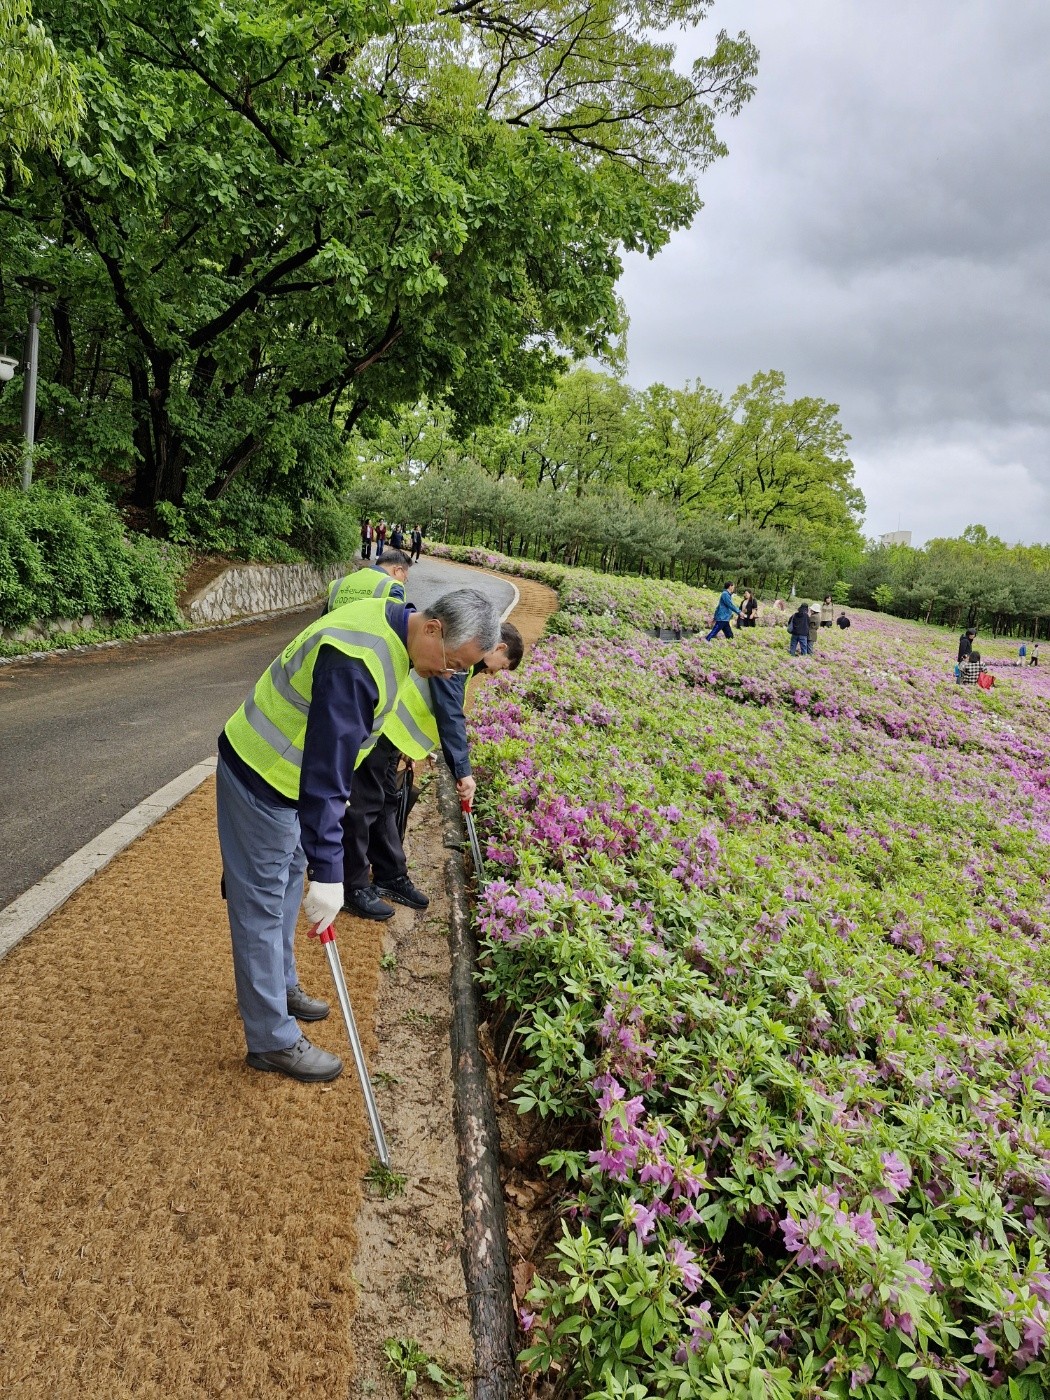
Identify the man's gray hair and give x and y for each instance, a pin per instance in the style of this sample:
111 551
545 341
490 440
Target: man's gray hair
467 616
393 559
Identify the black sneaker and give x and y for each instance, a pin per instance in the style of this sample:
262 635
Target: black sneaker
366 904
403 891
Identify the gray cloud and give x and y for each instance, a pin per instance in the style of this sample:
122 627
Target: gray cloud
880 231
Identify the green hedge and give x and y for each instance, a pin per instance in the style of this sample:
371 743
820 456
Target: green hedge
64 555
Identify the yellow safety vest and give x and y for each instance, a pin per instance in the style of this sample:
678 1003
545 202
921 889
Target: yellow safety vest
363 584
410 726
269 729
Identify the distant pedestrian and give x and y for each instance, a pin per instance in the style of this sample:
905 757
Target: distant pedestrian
827 611
842 621
366 539
380 539
725 611
749 610
1033 660
798 628
417 544
966 644
397 537
814 627
1022 653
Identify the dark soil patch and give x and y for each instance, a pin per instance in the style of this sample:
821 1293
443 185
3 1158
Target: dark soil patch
200 573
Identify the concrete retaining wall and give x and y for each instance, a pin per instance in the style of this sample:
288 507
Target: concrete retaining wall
245 589
37 631
239 591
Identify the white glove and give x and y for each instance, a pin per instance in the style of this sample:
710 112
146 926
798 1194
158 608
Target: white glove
322 903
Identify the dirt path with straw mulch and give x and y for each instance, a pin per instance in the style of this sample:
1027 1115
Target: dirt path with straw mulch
173 1223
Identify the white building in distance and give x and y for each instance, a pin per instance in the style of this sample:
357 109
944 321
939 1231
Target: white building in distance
896 537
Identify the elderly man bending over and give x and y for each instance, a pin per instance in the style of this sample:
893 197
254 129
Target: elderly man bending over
285 772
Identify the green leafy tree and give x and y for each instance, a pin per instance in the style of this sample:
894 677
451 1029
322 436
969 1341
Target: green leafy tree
280 220
581 436
685 439
40 101
785 463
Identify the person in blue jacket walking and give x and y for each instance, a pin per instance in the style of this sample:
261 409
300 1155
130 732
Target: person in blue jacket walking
724 614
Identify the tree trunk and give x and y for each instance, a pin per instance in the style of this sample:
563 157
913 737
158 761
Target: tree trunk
237 458
160 473
66 372
140 432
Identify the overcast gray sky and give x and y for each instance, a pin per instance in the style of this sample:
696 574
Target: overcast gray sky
881 232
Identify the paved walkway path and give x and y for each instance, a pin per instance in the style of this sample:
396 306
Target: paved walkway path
84 737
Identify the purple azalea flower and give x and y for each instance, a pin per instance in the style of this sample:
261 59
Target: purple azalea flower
896 1172
642 1218
860 1376
863 1227
985 1346
684 1260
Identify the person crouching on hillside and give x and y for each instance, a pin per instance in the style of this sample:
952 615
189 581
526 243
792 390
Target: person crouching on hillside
970 669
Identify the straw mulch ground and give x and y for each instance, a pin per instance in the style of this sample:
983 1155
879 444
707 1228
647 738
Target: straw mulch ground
173 1223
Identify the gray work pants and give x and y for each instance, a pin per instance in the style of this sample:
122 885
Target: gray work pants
264 865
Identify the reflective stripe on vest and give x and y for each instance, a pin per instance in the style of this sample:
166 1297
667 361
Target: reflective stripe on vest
364 584
410 726
269 729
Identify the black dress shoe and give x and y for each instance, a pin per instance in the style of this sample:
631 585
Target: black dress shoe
403 891
306 1008
366 904
303 1061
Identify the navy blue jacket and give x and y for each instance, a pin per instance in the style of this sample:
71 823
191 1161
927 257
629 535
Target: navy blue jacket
448 694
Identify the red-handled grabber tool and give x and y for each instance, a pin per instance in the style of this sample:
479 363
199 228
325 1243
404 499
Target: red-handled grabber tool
472 833
327 938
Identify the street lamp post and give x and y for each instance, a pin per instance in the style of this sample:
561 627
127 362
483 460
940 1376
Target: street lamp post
35 286
29 393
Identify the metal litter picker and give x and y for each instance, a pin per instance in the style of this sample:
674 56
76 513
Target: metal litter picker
475 844
327 938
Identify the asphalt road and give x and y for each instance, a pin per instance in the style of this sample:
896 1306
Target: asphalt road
85 737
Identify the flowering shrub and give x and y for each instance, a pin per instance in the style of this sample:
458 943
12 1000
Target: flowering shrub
774 931
599 602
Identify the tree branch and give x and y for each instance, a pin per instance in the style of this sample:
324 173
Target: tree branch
249 299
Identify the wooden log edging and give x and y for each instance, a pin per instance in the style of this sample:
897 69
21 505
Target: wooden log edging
486 1262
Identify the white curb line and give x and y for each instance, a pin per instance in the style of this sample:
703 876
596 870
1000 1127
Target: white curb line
513 603
30 910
